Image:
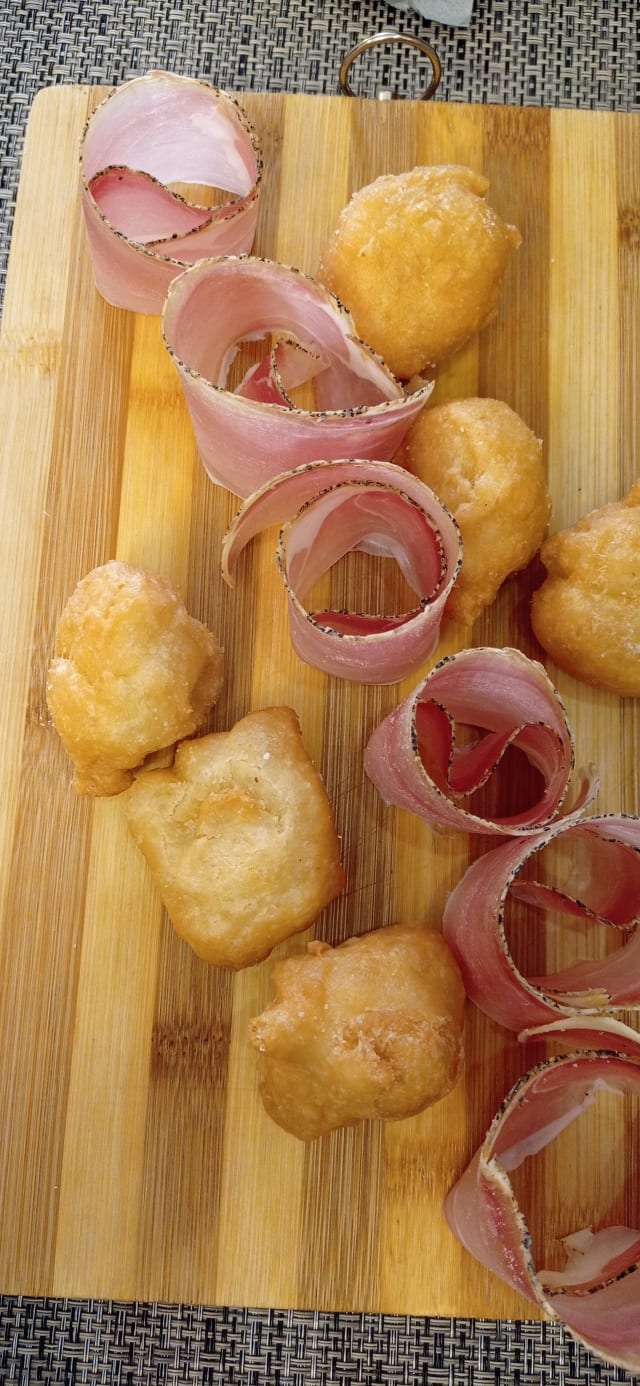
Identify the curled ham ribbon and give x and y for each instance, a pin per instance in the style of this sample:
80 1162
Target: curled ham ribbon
598 861
330 509
149 134
597 1294
418 762
249 435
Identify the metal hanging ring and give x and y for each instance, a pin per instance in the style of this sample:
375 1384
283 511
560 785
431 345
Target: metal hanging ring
389 36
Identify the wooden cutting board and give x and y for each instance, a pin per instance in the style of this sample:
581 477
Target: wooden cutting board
136 1160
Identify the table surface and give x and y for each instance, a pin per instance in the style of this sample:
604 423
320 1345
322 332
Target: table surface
538 54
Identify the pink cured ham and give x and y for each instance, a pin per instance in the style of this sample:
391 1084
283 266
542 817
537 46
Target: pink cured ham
330 508
149 135
248 435
418 760
598 861
597 1295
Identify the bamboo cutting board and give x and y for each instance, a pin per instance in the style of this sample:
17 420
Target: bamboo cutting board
136 1160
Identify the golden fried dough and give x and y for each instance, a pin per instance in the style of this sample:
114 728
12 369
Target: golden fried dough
483 461
132 673
418 258
586 614
240 838
371 1029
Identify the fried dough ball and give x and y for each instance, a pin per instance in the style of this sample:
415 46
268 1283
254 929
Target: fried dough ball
132 673
418 258
486 465
369 1030
586 614
240 838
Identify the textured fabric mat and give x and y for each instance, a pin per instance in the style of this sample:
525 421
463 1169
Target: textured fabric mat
527 53
95 1343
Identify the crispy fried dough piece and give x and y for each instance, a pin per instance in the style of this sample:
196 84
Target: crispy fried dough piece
240 838
371 1029
586 614
484 462
418 258
132 673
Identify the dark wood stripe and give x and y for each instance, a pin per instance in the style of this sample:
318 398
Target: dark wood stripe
185 1123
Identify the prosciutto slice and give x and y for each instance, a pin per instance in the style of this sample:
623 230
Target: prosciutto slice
248 435
150 134
445 741
598 1293
330 509
597 866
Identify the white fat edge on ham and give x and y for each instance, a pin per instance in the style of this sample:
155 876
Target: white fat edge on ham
586 1032
590 1254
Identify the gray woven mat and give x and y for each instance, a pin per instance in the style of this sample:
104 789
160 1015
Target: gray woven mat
527 53
86 1343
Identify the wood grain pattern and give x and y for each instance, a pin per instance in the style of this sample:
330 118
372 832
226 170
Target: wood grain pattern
136 1160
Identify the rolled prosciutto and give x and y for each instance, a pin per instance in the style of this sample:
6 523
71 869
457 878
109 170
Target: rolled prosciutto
597 1294
442 745
596 862
149 135
328 509
249 434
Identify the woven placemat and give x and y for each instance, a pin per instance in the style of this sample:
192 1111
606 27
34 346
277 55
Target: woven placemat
528 52
96 1343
